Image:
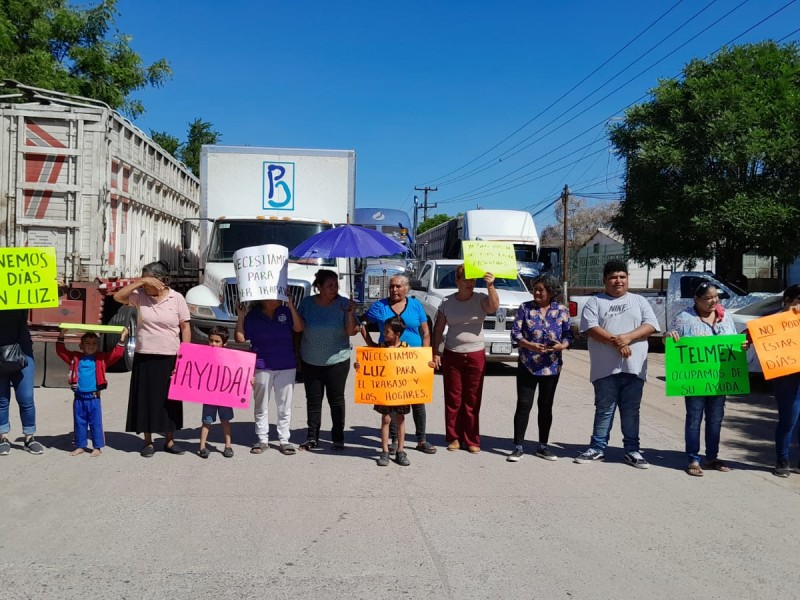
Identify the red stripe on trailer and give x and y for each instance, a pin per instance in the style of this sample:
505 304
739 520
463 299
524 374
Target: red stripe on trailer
112 238
43 135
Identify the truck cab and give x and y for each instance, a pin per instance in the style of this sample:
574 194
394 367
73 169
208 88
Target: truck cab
215 300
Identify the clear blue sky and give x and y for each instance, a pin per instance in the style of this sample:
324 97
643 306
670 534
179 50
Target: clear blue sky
421 88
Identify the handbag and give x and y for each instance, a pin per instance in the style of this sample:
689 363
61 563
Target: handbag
12 359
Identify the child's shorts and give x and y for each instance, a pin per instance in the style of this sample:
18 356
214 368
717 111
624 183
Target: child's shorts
403 409
210 413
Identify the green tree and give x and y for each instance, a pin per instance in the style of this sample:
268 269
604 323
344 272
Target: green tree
50 44
168 142
713 161
431 222
200 133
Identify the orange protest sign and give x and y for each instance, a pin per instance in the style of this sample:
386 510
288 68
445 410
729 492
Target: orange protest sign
776 340
393 376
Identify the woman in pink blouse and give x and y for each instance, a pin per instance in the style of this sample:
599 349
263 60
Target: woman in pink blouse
162 325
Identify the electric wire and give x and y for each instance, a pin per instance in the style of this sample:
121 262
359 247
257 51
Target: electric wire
475 190
504 155
564 95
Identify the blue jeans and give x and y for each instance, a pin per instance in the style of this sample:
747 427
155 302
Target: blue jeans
787 395
623 390
714 409
22 383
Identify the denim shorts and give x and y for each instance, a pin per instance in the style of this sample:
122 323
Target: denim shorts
210 413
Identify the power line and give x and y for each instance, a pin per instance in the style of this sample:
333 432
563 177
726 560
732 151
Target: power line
554 161
505 154
475 190
564 95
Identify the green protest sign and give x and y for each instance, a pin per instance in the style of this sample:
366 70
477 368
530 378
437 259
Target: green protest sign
713 365
481 257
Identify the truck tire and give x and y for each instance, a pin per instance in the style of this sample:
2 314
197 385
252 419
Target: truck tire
126 316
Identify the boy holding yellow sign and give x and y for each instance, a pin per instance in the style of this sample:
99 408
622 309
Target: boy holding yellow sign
87 378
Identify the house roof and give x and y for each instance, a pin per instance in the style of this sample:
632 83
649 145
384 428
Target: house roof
606 232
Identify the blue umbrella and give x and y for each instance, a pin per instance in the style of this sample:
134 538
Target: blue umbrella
347 241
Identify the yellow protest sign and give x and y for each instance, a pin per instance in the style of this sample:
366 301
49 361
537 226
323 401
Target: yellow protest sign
393 376
28 278
776 340
92 327
497 258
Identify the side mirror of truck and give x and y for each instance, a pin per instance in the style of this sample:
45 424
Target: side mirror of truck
416 284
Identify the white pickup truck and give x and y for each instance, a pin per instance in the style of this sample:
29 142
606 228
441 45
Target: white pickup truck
437 279
678 296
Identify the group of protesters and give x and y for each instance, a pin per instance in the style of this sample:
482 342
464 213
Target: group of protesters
618 324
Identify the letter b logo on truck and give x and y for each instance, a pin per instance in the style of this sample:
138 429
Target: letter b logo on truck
278 186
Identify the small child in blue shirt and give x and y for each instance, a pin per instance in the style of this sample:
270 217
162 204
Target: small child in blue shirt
217 338
87 378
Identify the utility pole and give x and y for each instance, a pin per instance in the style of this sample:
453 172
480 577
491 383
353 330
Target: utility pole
416 210
565 250
425 205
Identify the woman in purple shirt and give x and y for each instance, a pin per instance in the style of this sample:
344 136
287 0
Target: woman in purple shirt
269 325
541 331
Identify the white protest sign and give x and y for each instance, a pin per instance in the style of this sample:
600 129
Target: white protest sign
262 272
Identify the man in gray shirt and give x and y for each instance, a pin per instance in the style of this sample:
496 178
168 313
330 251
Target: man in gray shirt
618 324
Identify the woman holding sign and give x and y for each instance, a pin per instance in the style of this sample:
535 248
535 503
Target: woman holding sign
325 354
706 317
163 325
464 359
787 395
416 334
268 326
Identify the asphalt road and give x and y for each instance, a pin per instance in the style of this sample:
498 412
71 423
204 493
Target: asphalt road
452 525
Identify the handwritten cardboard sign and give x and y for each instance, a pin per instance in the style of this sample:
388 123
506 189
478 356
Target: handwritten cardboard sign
497 258
28 278
711 365
776 340
92 327
216 376
394 376
262 272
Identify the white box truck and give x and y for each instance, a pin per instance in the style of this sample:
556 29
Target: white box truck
253 196
78 177
515 226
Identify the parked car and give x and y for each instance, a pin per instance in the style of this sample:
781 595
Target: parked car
437 279
742 317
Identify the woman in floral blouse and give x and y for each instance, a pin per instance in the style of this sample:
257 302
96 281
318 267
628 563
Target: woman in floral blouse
541 331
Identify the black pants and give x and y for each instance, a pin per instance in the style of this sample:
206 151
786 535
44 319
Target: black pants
418 412
526 388
326 381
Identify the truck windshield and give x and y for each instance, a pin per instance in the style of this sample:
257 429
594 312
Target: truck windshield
230 236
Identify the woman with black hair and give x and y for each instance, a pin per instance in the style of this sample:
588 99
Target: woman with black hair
542 332
706 317
325 353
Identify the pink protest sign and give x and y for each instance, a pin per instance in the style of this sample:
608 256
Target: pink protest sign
217 376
